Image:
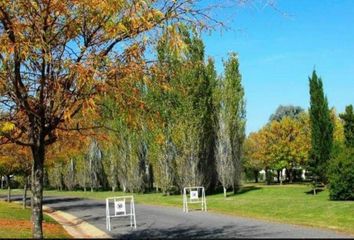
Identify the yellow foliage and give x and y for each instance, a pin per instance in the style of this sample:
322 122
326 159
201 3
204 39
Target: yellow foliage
160 139
338 130
7 127
280 144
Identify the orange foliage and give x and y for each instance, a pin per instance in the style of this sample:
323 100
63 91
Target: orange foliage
15 159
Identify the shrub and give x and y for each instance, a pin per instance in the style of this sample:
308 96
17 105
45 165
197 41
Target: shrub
341 175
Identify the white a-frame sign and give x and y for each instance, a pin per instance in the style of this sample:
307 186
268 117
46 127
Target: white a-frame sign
194 195
120 209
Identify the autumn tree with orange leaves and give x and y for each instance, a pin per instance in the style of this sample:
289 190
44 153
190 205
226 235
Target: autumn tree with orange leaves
58 57
15 159
278 145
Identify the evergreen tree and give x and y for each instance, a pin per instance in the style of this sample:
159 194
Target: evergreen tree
321 130
348 118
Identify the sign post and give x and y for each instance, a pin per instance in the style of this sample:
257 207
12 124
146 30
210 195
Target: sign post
120 209
196 195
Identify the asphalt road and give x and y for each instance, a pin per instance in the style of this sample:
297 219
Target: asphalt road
169 222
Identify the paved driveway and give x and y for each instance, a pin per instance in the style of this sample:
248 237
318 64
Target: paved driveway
169 222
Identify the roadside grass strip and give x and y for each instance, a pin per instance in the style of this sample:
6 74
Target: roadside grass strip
15 223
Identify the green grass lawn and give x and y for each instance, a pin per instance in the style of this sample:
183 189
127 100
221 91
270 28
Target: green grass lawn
15 223
286 203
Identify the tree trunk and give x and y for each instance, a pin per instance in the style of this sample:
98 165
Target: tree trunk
278 176
8 189
38 153
91 178
225 192
290 175
236 187
84 178
268 176
255 175
24 200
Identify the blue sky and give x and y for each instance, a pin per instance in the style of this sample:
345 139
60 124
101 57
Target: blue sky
278 51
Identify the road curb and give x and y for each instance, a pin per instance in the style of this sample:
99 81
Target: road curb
76 227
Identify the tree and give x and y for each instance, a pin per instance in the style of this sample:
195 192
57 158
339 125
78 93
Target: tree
287 144
341 175
57 56
253 153
279 144
186 107
321 130
233 103
348 119
286 111
209 110
224 162
96 174
64 159
341 167
14 160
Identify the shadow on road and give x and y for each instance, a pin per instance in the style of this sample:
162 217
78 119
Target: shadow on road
194 231
72 204
51 200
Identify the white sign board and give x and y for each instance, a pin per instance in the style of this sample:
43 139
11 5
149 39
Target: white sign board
119 207
194 195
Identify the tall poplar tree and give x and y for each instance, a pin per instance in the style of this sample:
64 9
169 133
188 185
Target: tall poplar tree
321 130
233 103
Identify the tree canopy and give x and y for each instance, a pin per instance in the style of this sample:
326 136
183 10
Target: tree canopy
286 111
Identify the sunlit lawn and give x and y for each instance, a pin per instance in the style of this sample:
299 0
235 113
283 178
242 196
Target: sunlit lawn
15 223
286 203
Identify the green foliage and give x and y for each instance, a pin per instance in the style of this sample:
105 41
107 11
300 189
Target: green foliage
321 129
348 118
341 175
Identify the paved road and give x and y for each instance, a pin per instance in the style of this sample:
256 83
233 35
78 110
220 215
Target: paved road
169 222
